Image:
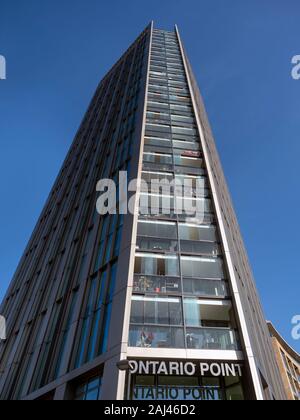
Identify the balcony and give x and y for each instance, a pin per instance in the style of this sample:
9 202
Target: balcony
156 337
212 339
205 288
200 248
173 337
156 244
156 284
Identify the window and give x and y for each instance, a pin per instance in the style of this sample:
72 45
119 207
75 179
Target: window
192 186
157 236
158 158
156 141
181 108
156 310
202 287
178 144
183 119
156 337
86 322
162 128
194 206
95 325
181 91
108 309
183 137
210 325
202 268
160 81
202 313
109 242
157 204
158 117
64 336
156 265
189 388
160 322
154 179
157 229
118 236
156 73
102 241
197 233
189 162
158 97
159 105
212 339
234 390
156 285
158 68
89 391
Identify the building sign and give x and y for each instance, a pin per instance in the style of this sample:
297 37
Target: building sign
171 368
185 380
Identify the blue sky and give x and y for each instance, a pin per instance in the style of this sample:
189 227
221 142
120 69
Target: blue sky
241 53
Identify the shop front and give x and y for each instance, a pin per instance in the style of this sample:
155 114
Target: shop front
186 381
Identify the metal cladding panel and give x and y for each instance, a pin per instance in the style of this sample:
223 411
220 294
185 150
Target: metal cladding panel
47 303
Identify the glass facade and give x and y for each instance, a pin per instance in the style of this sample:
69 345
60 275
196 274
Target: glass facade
59 306
180 296
89 391
172 388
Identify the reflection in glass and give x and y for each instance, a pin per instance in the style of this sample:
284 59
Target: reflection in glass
209 268
156 337
157 265
212 339
203 287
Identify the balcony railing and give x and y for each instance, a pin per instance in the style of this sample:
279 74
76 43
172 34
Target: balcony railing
173 337
205 287
156 337
212 339
200 247
156 284
156 244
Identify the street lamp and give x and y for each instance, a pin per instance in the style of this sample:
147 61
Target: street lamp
123 365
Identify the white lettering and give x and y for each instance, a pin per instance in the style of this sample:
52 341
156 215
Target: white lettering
144 368
134 366
204 368
2 67
215 369
106 203
190 369
184 368
230 370
296 329
296 69
162 369
174 368
124 411
154 366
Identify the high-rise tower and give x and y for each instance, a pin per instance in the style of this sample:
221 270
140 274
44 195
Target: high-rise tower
170 292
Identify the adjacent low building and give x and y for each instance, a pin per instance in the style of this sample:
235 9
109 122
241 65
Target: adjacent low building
288 361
